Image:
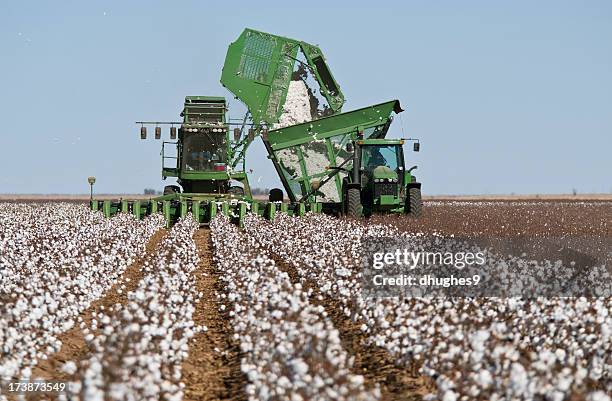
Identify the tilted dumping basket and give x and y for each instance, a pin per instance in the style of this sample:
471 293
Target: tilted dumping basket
259 67
303 153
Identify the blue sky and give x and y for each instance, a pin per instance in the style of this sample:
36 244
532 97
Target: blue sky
506 97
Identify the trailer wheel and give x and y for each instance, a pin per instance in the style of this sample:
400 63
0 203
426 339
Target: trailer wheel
354 207
236 190
414 204
172 189
275 195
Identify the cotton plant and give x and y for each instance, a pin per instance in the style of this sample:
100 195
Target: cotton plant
290 348
139 347
55 260
488 348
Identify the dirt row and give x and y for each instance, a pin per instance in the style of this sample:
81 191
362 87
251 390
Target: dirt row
212 369
575 233
374 363
74 347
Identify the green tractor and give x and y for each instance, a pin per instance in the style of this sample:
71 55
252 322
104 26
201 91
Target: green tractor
378 181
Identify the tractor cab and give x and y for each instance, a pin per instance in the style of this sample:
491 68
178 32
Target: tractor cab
382 161
382 173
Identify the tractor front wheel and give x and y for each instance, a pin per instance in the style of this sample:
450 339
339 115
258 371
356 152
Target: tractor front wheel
414 204
353 204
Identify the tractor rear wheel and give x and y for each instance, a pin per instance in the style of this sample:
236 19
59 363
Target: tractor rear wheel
353 204
414 204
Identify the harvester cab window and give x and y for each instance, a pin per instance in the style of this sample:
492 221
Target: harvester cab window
203 152
373 156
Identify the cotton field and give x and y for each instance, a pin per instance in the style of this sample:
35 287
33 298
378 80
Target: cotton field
127 309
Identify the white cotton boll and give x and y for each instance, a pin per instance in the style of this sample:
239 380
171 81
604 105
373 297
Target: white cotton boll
518 378
357 380
296 397
484 379
284 382
560 354
449 395
69 368
581 374
598 396
26 372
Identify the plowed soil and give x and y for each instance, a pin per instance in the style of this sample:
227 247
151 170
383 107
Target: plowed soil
74 347
575 233
561 229
372 362
212 370
508 219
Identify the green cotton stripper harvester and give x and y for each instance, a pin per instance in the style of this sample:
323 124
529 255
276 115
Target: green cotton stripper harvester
328 161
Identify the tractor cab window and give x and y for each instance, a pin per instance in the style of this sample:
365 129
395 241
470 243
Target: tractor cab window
204 152
373 156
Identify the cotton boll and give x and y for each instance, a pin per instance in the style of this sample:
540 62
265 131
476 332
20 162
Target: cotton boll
69 368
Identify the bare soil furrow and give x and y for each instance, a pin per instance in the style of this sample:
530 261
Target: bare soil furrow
74 347
212 369
372 362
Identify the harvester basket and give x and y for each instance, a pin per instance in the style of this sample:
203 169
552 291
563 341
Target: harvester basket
259 66
303 154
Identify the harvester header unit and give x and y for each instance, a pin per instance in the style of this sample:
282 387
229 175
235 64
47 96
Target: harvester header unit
327 160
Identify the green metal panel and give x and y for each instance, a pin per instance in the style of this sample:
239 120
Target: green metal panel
211 175
212 210
225 209
94 205
195 209
300 209
183 209
106 208
284 207
241 213
136 209
380 141
124 206
255 208
153 207
338 124
167 212
202 110
388 200
259 66
270 211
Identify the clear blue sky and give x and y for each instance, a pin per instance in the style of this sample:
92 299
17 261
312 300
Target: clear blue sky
506 97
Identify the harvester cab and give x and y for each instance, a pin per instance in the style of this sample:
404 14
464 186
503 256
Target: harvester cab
204 158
